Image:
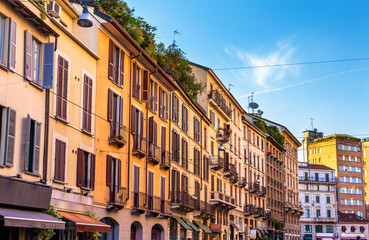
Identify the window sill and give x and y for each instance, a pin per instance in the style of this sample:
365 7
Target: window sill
4 67
59 182
6 165
138 99
116 84
87 132
61 119
32 174
85 189
38 87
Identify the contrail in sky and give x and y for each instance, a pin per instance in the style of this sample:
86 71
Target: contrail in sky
304 82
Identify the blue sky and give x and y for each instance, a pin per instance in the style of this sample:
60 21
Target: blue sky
226 34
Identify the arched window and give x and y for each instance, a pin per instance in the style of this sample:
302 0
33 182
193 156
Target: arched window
114 232
157 232
136 231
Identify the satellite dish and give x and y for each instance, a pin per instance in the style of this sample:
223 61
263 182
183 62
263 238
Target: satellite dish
253 105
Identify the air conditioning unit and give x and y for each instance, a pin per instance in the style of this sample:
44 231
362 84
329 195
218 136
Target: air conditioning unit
53 9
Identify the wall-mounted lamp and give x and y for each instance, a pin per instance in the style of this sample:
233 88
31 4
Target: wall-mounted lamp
221 147
83 20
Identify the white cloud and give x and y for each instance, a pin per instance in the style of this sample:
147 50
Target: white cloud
266 77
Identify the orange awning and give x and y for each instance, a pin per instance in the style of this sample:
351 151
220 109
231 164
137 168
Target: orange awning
85 223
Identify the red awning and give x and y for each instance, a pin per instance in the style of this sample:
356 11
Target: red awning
29 219
215 228
85 223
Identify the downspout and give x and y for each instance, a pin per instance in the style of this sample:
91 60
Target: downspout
169 133
129 127
46 135
201 157
147 148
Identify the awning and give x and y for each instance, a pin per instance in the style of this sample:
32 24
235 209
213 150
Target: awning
29 219
182 223
260 233
85 223
191 224
202 226
235 227
215 228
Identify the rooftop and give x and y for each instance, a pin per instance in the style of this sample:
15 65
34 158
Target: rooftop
315 166
350 218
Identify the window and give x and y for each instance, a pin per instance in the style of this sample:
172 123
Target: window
175 146
150 190
163 104
308 228
318 228
32 58
32 146
59 169
62 89
184 153
113 178
87 104
318 213
175 108
328 199
184 118
329 229
196 162
196 130
139 143
137 82
115 114
7 135
317 199
2 40
306 198
153 97
307 213
329 214
136 187
85 169
116 64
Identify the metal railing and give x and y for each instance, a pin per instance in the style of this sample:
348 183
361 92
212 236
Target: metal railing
221 197
262 191
165 160
138 200
118 134
254 187
154 154
165 207
248 209
183 199
223 135
241 182
259 212
139 145
230 170
220 101
321 219
153 203
117 196
314 179
216 163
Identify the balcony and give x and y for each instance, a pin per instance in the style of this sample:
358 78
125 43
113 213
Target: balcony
217 164
287 206
206 209
262 191
325 220
259 212
222 200
165 209
234 179
153 206
300 211
165 160
314 179
154 154
223 135
118 134
294 208
217 99
183 201
139 146
138 201
267 214
241 182
229 170
248 210
253 187
117 196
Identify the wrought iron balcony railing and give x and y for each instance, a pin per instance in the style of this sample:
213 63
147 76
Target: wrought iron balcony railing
139 146
154 155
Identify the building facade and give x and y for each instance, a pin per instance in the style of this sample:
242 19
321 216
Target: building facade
344 154
318 186
365 147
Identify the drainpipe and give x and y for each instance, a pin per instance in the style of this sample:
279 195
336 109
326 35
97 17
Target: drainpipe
147 149
46 135
201 157
129 127
169 133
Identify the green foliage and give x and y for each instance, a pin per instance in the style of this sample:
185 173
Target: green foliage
271 130
46 234
336 136
172 59
41 4
92 235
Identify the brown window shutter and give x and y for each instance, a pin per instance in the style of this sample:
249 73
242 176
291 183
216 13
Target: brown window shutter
85 103
10 137
134 87
178 182
173 107
80 156
194 162
167 106
151 130
183 117
12 44
120 112
142 123
59 87
109 161
36 149
92 171
110 105
183 153
121 82
119 170
57 174
162 188
27 55
145 86
212 183
163 139
212 148
62 149
156 98
160 103
133 120
111 60
178 147
177 110
65 89
173 186
173 143
186 155
194 129
155 135
186 120
199 131
89 110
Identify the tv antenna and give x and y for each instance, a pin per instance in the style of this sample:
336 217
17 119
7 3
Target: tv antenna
253 105
175 33
312 123
229 86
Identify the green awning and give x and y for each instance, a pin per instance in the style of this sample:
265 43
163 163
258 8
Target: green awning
182 223
202 226
191 224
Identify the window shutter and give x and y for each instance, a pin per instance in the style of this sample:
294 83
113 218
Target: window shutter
186 155
26 144
178 147
183 117
156 97
120 112
187 120
85 103
65 88
141 121
183 155
62 150
12 44
133 120
163 139
173 186
134 80
151 184
167 107
27 55
48 69
36 149
57 165
160 103
145 87
177 110
151 130
110 105
173 106
137 179
194 162
10 137
109 161
89 112
121 83
155 135
162 188
92 171
111 60
80 156
119 173
194 129
199 132
59 86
